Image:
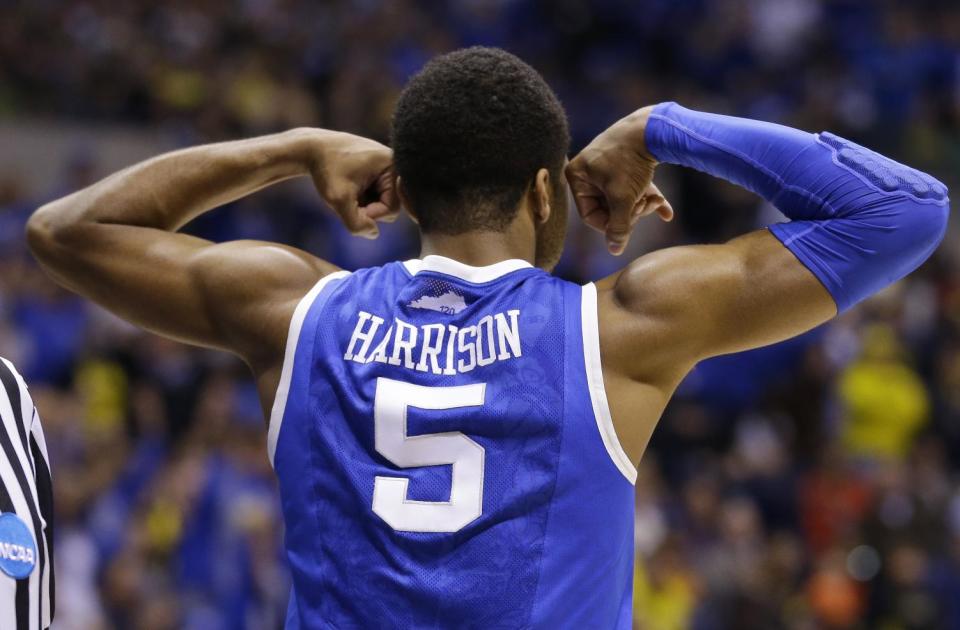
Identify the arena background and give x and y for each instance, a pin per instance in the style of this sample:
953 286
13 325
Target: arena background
808 485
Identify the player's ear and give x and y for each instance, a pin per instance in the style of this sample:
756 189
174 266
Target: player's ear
405 199
541 193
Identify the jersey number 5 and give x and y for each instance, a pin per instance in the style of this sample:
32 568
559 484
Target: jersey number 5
390 500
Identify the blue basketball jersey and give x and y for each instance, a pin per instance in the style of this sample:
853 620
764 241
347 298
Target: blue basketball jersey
446 455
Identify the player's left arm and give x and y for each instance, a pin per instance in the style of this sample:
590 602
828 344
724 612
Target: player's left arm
860 221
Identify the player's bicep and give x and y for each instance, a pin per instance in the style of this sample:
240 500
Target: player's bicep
716 299
759 293
250 290
230 296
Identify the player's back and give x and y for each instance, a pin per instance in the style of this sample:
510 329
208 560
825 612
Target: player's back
446 456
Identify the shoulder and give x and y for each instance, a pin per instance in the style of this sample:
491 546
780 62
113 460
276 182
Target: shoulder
16 391
645 312
10 366
251 289
239 268
11 379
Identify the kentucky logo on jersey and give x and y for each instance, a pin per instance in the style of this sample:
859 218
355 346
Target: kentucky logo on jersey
18 551
449 303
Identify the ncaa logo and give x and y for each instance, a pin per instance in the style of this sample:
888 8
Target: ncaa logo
18 551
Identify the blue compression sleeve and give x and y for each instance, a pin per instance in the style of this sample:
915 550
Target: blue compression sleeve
859 221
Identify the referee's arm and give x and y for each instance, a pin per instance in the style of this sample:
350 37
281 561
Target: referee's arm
26 510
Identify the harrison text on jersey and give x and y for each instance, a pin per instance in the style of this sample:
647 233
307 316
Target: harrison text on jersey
437 348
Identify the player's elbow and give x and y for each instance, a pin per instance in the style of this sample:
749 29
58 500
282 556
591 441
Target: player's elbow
923 228
50 233
938 225
41 231
873 246
895 242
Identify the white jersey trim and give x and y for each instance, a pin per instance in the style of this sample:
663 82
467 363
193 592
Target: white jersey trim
598 394
476 275
286 374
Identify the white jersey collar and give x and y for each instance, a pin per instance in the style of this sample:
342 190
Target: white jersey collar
476 275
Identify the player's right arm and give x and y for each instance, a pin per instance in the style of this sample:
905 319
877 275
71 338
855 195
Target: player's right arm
117 241
859 221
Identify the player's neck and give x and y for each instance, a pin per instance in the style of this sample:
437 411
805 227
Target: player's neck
479 249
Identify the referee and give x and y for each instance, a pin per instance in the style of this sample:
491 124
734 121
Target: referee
26 510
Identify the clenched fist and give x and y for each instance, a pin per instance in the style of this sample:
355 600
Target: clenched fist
354 175
612 181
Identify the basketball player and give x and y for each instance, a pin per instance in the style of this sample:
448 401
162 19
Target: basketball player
456 436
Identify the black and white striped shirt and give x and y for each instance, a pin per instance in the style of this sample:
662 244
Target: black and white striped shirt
26 510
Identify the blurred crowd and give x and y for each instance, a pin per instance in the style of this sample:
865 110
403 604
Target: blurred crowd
812 484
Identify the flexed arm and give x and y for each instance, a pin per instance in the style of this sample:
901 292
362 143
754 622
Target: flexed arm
860 222
115 242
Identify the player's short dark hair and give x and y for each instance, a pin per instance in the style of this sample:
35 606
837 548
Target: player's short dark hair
470 132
